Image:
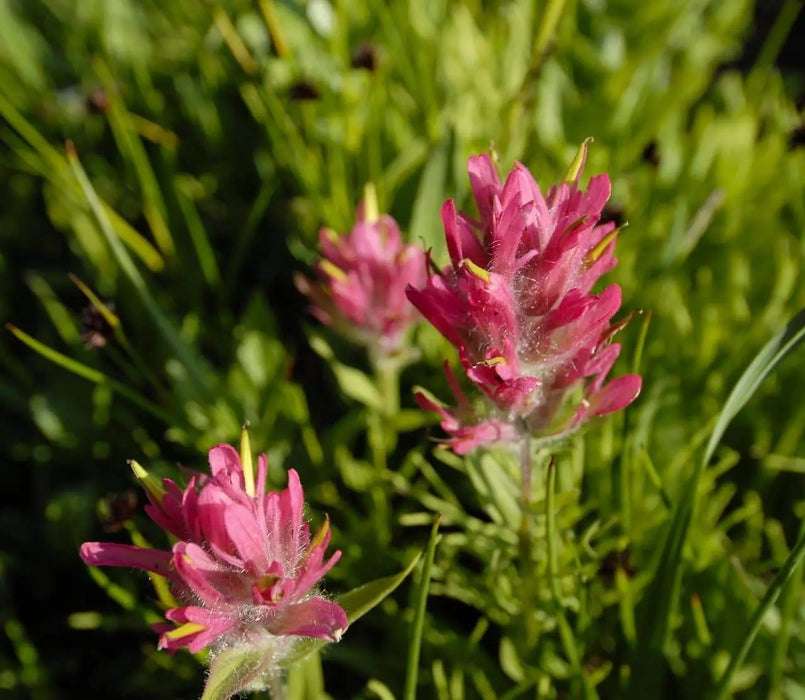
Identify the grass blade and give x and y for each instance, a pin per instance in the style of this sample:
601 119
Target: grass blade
773 591
660 601
90 374
182 350
412 668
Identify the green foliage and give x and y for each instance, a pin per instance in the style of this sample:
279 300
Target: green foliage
206 145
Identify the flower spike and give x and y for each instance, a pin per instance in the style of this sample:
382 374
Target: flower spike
517 303
244 567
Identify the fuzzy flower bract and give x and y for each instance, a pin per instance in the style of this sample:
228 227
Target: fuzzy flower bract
362 281
244 568
517 303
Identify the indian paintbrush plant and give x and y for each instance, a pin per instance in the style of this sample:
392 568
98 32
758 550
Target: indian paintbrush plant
243 569
517 303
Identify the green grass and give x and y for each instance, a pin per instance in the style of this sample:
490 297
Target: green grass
162 154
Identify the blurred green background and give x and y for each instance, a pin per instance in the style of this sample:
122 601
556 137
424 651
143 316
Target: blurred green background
220 136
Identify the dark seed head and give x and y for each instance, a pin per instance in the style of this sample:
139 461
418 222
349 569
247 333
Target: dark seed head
303 91
651 154
612 212
796 139
96 331
365 56
116 509
614 560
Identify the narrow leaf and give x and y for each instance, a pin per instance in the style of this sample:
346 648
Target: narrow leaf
418 628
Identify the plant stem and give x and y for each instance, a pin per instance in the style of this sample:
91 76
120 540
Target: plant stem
547 28
276 688
526 520
527 567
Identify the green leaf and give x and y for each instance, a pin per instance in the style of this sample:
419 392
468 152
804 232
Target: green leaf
351 381
232 671
356 604
90 374
358 386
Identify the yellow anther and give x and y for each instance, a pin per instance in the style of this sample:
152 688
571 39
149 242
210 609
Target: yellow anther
332 270
598 251
246 460
321 534
371 209
185 630
574 172
476 270
150 483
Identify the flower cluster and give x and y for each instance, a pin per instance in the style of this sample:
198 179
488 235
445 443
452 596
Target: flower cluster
517 304
244 568
363 277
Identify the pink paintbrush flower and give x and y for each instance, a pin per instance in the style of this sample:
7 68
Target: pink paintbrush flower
517 304
363 277
244 569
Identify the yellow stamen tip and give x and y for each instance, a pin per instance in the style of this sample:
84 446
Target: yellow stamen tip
371 209
149 482
185 630
246 460
476 270
332 270
598 251
574 172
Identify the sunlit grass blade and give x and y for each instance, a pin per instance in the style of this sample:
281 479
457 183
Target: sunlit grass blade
51 164
783 575
425 220
131 148
108 315
775 351
415 644
198 234
92 375
661 599
182 350
63 320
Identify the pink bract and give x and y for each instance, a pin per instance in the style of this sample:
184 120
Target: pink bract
517 303
244 566
363 278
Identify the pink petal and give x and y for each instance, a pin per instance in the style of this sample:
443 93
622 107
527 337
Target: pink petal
215 624
248 536
616 395
485 183
224 460
112 554
213 583
315 617
462 242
